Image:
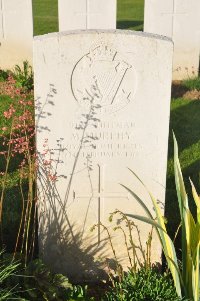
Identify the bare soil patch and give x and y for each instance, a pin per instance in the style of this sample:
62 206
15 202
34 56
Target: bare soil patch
180 91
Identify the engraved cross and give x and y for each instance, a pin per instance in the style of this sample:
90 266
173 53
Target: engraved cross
173 15
101 195
87 14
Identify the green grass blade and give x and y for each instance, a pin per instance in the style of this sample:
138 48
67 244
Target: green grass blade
168 248
195 277
146 220
178 270
183 207
138 199
197 201
180 187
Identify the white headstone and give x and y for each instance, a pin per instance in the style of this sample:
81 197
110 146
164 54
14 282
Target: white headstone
179 20
16 32
87 14
103 103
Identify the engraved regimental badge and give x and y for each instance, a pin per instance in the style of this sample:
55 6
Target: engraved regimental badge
104 78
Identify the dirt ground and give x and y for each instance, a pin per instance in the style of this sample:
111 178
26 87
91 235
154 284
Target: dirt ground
179 91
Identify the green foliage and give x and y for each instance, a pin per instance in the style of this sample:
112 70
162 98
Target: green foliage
7 270
3 75
79 293
24 76
185 122
130 14
37 282
192 83
186 276
41 284
190 239
145 285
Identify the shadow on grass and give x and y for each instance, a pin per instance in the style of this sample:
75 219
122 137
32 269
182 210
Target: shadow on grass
178 90
14 161
12 210
128 24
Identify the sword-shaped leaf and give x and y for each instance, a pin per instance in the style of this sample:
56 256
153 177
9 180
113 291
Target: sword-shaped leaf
146 220
183 207
166 242
138 199
195 276
197 200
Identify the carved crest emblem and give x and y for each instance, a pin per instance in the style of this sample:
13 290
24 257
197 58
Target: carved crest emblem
100 76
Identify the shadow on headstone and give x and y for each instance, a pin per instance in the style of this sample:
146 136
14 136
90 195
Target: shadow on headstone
63 246
62 242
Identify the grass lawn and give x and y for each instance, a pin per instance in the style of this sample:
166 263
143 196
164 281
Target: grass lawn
184 120
45 14
129 15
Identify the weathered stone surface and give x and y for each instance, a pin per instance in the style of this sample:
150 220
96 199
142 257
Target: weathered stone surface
179 20
16 32
103 103
87 14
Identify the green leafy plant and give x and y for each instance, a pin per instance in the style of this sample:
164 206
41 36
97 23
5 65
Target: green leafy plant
79 293
17 139
37 282
24 76
3 75
192 83
40 284
7 270
146 284
138 255
185 276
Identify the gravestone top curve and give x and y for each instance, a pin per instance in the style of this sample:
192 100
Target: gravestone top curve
109 31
